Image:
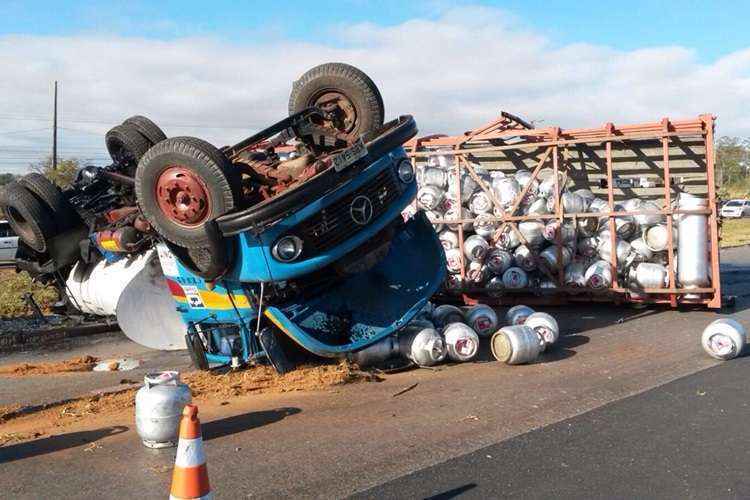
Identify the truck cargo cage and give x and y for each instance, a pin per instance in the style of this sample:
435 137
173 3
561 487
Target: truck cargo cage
667 165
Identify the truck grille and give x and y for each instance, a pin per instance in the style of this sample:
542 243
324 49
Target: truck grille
335 224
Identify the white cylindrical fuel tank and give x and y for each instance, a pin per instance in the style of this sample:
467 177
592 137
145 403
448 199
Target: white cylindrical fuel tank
692 245
96 289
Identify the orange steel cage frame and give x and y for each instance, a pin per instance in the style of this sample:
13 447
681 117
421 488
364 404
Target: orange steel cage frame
509 136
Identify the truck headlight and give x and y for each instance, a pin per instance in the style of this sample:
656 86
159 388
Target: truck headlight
287 248
405 171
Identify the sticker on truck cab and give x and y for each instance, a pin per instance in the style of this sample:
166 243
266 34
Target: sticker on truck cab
193 296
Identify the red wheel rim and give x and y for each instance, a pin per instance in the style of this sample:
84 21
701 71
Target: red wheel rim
183 196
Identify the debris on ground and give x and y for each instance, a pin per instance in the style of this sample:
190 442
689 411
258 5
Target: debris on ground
122 365
205 386
80 364
405 390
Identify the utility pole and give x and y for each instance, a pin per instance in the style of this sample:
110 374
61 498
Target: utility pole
54 132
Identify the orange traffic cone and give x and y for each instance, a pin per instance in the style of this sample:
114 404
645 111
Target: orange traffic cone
190 476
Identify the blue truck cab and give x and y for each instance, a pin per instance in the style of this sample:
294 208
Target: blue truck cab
330 264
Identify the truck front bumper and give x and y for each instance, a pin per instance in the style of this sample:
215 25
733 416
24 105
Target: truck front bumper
363 308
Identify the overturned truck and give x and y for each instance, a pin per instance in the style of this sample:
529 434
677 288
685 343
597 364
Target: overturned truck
292 237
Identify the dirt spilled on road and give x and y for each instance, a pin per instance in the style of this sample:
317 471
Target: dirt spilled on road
81 364
206 386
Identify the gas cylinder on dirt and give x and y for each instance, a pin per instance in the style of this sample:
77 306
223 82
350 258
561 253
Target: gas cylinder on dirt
517 315
445 314
422 344
545 326
462 342
515 345
483 319
724 339
158 408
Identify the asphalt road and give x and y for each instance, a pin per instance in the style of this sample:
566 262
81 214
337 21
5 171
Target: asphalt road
625 406
685 439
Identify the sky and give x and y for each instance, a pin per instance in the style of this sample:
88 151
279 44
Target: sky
223 70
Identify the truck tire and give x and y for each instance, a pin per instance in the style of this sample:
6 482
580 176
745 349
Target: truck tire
126 147
182 183
146 128
361 103
29 217
44 189
197 351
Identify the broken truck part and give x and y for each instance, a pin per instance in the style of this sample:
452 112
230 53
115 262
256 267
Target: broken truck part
293 236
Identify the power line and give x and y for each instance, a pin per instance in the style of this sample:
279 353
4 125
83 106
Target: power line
115 122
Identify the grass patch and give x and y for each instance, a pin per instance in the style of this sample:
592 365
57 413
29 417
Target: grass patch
15 285
735 232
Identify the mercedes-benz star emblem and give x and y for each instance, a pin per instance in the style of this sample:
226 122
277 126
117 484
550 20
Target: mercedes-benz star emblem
361 210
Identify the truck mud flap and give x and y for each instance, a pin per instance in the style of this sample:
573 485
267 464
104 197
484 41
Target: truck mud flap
366 307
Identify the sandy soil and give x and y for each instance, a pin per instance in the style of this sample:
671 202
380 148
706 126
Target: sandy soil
21 424
80 364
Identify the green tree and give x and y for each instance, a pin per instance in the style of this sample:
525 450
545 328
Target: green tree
63 175
7 178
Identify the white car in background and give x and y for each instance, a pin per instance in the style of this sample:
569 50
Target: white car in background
735 208
8 243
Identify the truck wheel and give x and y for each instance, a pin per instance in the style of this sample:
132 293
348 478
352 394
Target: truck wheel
31 220
147 128
183 182
359 107
197 351
44 189
126 146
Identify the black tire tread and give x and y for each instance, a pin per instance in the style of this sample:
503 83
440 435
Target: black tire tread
374 101
52 196
147 128
130 138
41 224
220 167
